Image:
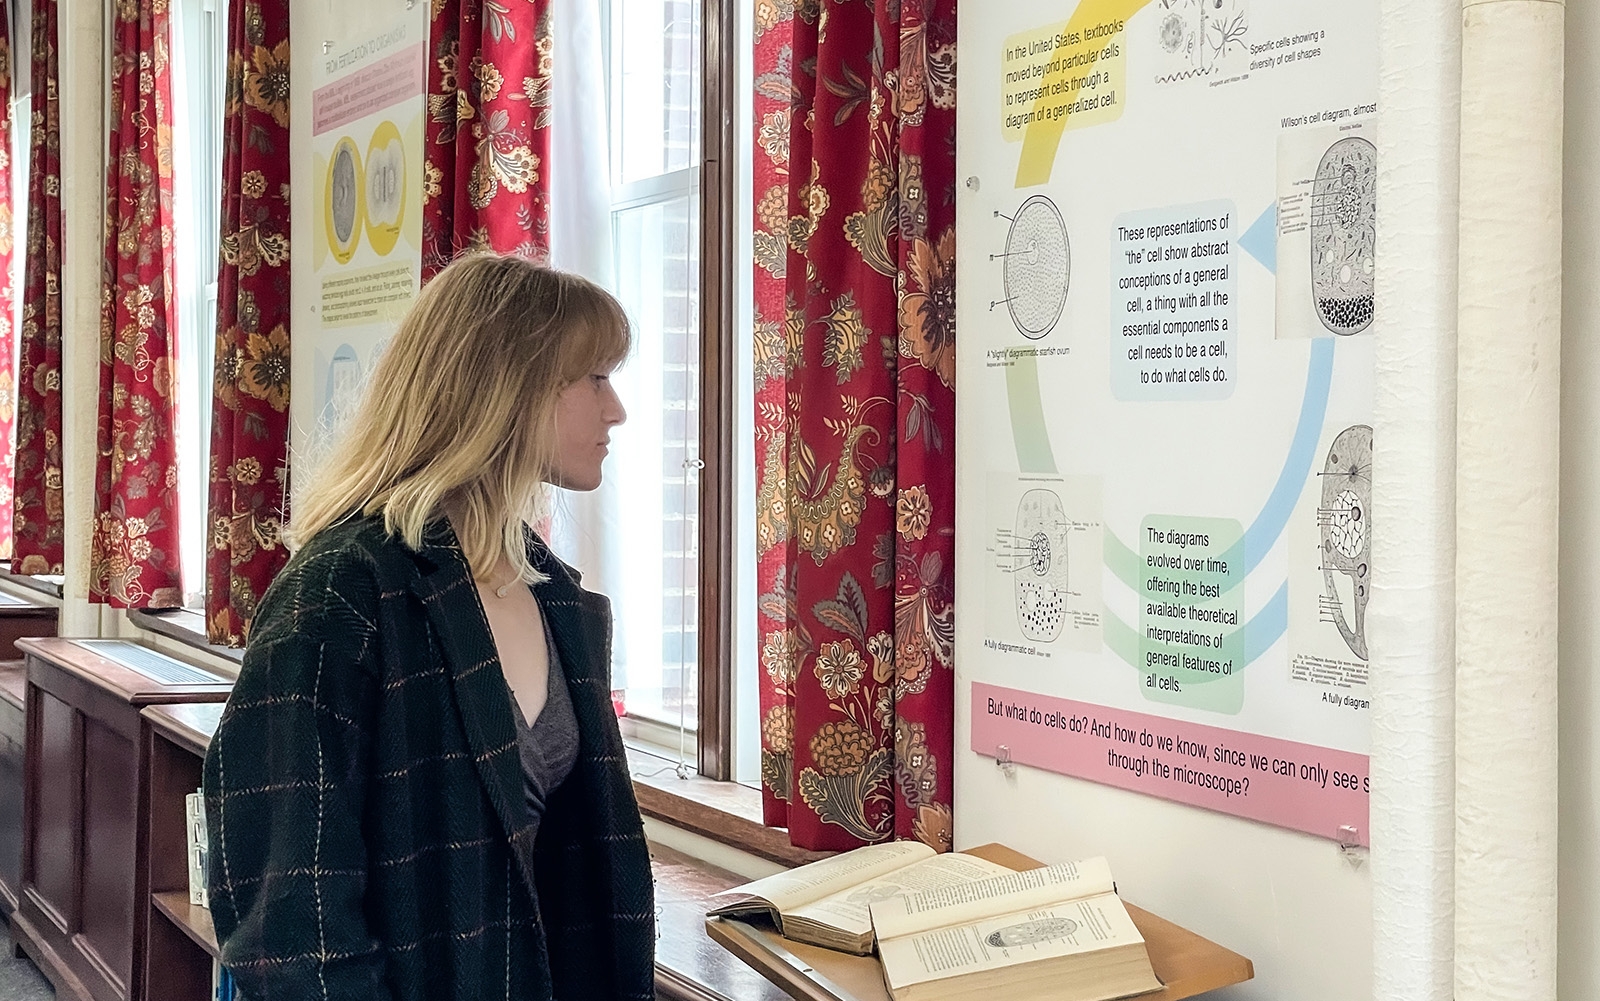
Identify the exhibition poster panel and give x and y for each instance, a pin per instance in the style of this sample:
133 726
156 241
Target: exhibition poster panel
1168 222
367 172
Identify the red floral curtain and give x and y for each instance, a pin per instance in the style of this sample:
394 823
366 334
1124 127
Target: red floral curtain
250 394
37 518
488 135
855 417
8 382
134 559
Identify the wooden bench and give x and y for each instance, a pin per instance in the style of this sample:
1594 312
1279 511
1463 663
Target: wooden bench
19 617
79 915
13 735
180 942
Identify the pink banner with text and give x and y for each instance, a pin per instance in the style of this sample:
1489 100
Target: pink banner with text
1282 782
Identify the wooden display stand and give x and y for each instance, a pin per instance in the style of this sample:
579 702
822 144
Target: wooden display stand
1185 962
81 911
179 942
19 617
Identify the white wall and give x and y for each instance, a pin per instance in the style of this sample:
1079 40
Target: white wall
80 47
1578 974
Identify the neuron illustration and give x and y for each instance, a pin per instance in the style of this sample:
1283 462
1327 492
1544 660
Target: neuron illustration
1035 555
1199 38
1037 268
1032 932
1344 226
1345 520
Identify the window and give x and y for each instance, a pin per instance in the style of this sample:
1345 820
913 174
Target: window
653 74
199 76
674 475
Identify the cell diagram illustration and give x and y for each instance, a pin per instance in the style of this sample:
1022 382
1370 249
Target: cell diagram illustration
1036 267
867 895
385 188
1345 522
1032 932
1036 558
343 191
1344 217
1199 38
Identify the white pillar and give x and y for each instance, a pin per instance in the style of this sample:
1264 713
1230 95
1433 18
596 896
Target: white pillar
1412 615
81 42
1580 517
1509 361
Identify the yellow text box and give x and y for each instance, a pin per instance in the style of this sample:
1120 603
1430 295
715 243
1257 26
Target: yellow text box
1066 75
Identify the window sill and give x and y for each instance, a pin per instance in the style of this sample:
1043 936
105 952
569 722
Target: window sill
186 626
725 812
41 584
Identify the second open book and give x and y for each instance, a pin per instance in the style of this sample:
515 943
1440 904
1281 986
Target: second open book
1059 932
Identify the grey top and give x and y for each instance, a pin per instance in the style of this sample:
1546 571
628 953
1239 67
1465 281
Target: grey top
549 746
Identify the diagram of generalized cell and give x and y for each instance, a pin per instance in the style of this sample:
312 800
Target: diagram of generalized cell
1047 540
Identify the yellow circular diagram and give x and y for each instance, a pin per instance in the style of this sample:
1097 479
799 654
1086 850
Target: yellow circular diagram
385 196
343 200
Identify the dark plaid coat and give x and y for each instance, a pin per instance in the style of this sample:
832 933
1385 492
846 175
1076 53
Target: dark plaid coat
369 832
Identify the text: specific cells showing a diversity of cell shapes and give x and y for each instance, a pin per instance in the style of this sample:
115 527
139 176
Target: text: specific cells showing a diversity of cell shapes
1036 267
1344 212
1200 38
1345 524
1036 556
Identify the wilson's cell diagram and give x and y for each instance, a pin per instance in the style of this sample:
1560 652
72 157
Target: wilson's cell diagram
1036 267
1344 522
1344 219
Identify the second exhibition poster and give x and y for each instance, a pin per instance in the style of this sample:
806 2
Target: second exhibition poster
1166 294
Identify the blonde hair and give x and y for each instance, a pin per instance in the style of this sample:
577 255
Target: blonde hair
458 415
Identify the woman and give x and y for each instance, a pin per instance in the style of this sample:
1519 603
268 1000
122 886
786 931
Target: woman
413 793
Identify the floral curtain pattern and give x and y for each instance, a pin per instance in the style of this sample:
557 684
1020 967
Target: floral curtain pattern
8 382
488 131
38 516
134 558
855 416
250 399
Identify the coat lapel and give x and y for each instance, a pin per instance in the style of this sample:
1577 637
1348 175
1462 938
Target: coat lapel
484 701
580 623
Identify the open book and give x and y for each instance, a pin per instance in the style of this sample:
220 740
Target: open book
1059 932
825 903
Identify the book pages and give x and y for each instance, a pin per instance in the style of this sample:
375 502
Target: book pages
788 890
1003 893
1007 940
848 909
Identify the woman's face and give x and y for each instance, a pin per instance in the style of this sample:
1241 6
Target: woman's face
586 412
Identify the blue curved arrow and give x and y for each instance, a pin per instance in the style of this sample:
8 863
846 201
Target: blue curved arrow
1035 455
1246 554
1259 538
